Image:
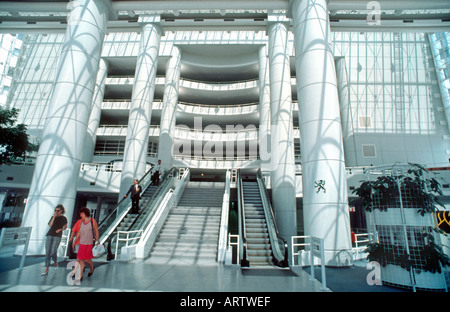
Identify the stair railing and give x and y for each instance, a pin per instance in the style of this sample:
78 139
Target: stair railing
112 221
140 221
167 179
223 234
160 213
242 230
280 249
126 239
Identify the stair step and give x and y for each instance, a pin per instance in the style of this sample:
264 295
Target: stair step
191 230
257 240
256 225
256 260
259 252
188 236
193 223
195 218
256 230
196 210
194 231
183 245
257 235
166 248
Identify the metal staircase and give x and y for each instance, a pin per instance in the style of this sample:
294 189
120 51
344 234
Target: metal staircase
191 231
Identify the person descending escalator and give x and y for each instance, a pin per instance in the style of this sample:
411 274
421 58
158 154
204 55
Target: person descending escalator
135 191
156 173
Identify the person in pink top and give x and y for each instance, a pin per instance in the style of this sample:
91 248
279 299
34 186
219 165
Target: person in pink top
87 235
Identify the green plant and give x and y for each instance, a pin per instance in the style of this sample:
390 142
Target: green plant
385 191
14 141
388 254
426 189
434 255
431 259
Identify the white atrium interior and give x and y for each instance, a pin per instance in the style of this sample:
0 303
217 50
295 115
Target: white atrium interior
263 108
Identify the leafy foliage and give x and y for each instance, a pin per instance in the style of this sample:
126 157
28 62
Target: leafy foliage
14 141
386 189
385 192
432 256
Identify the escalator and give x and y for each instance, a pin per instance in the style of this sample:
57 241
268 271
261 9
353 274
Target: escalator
129 219
120 219
261 244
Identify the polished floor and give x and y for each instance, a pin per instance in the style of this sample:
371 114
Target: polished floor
144 276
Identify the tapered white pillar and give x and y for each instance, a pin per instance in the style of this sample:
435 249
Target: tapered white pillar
346 112
96 112
60 154
282 138
136 146
325 203
168 115
264 109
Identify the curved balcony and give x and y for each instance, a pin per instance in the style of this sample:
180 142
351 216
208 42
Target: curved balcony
218 86
249 133
121 131
184 133
221 115
217 134
219 93
216 163
116 105
218 110
125 104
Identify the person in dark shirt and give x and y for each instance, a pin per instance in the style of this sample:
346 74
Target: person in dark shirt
135 191
58 223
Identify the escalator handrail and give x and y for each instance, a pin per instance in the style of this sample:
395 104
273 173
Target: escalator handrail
280 256
223 229
154 200
145 182
242 230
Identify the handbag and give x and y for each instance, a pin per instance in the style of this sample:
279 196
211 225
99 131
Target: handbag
98 249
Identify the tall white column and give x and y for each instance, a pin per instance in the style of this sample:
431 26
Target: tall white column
282 139
96 112
264 109
60 154
168 115
325 203
136 146
346 112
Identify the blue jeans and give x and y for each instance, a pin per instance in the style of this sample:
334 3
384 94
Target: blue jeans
51 247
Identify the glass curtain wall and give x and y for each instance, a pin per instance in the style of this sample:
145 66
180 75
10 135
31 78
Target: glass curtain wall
441 57
390 81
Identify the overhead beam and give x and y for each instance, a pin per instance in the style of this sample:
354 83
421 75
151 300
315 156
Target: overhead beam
52 18
425 26
43 6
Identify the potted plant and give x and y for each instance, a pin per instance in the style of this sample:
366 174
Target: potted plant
400 202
